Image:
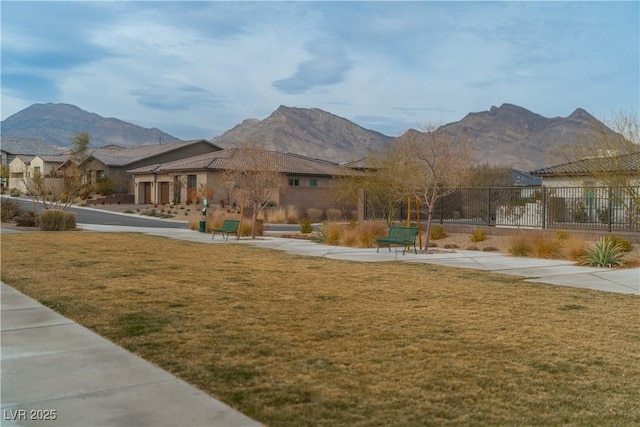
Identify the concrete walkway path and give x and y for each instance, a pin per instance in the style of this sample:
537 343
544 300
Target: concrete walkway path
552 272
55 368
58 373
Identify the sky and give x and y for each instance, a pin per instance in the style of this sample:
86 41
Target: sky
197 69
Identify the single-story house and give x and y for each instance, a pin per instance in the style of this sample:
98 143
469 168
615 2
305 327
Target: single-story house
112 162
595 189
308 181
592 171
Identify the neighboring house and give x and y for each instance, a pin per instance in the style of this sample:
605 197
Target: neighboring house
308 181
591 171
113 162
23 168
595 189
11 147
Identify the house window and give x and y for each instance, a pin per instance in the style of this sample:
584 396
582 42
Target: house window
294 182
192 182
36 170
313 182
100 174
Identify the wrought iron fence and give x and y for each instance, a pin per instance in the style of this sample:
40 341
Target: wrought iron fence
593 208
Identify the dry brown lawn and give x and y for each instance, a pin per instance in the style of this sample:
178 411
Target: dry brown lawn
295 341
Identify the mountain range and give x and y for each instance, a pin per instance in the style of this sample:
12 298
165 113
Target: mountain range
508 135
57 124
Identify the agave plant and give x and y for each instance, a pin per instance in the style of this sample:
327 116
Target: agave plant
604 253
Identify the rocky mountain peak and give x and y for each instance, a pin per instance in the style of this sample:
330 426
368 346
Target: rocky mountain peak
307 131
57 124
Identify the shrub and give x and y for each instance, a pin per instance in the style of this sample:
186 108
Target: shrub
478 235
276 216
105 186
9 209
26 219
334 214
56 220
292 215
348 237
315 214
437 232
562 235
245 228
625 245
368 233
603 253
575 249
329 234
519 245
544 246
15 192
305 226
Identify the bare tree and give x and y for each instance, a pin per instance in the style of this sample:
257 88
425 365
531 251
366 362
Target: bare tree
54 191
486 175
58 189
384 185
434 164
255 174
80 153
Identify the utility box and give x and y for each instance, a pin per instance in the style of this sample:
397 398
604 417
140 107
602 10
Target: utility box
203 226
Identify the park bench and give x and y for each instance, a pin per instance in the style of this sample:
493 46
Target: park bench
229 226
398 235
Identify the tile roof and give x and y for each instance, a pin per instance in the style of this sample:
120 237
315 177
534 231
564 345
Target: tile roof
247 158
629 163
111 156
59 158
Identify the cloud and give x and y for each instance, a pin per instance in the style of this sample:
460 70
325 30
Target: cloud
328 66
203 67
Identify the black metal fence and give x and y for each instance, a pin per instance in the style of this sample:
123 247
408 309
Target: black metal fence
592 208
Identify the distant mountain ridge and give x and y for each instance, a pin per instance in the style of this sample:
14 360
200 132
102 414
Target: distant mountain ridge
308 131
512 135
57 124
508 135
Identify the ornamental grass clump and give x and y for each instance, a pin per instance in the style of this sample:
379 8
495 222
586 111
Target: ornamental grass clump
56 220
520 245
437 232
604 253
478 235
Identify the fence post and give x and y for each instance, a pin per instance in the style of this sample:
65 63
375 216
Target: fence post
441 210
610 210
544 208
488 205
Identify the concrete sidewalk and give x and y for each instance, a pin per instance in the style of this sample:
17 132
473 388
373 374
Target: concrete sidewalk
58 373
552 272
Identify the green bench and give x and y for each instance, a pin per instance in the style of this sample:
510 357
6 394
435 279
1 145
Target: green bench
229 226
398 235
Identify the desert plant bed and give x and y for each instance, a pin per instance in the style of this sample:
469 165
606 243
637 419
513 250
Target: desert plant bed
299 341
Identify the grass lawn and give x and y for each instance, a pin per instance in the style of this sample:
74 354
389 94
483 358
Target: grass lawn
295 341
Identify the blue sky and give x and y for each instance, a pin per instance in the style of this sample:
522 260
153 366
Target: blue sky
196 69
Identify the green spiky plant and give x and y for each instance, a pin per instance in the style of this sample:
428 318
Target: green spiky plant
604 253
